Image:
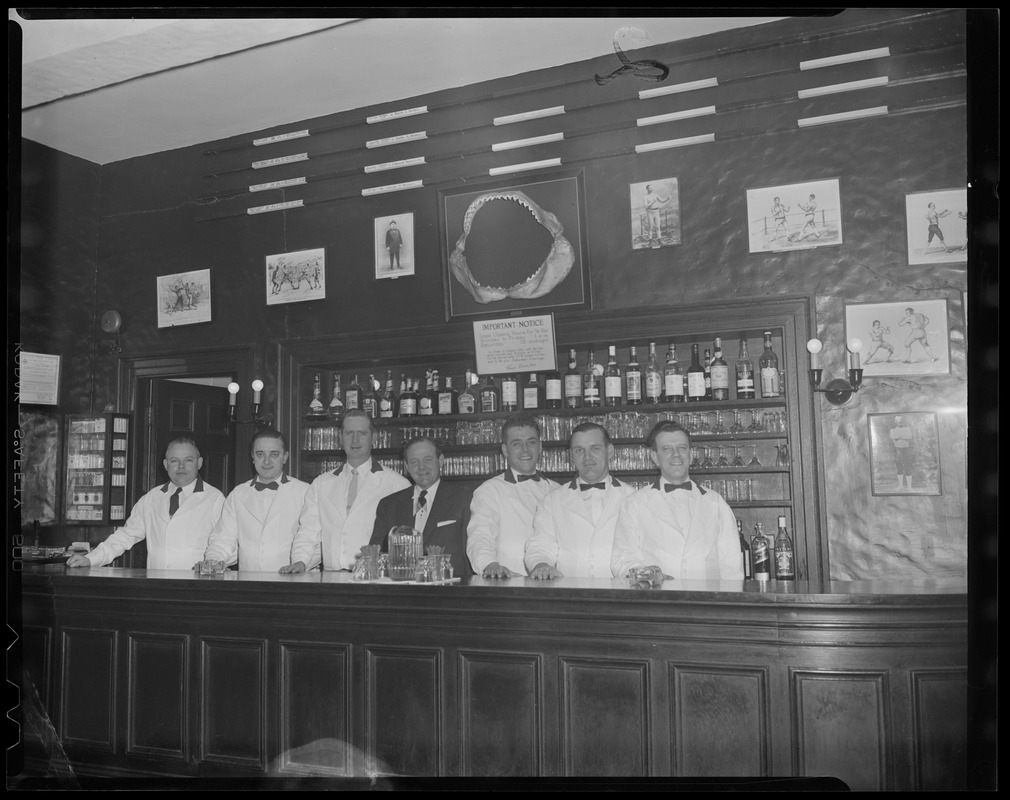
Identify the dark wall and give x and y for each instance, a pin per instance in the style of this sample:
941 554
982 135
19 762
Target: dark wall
162 214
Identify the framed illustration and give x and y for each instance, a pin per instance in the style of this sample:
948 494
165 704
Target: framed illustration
794 216
295 277
394 246
904 453
515 245
41 457
936 226
902 339
184 298
655 214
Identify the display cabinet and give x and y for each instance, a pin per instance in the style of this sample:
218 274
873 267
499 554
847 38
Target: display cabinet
758 453
95 468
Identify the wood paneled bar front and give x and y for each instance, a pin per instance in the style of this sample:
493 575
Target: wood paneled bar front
246 675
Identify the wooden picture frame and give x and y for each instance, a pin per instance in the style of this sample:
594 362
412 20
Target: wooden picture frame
936 226
902 339
515 244
904 453
794 216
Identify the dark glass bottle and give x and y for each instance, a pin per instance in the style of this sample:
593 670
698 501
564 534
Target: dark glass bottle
409 400
336 409
533 394
370 398
354 395
591 383
633 379
448 398
785 568
612 390
744 373
720 373
674 380
509 393
388 402
468 400
695 377
490 396
553 390
653 378
745 554
760 553
573 383
769 364
428 399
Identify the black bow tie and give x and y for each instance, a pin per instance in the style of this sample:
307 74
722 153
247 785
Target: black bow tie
671 486
585 486
261 486
529 478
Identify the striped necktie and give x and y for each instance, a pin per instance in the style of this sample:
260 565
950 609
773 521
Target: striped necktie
352 490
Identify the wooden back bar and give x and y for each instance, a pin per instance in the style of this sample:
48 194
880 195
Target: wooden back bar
253 674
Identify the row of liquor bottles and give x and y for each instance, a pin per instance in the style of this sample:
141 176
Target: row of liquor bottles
593 386
763 558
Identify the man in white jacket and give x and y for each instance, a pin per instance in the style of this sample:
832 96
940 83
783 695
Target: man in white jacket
688 532
176 518
573 528
260 516
501 512
339 509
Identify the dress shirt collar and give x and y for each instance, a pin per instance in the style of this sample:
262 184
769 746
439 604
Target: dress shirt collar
371 465
188 489
430 496
609 479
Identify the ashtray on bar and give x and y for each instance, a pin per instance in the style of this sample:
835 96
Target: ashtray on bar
210 568
645 577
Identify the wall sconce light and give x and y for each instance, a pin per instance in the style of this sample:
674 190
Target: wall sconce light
838 391
257 419
112 322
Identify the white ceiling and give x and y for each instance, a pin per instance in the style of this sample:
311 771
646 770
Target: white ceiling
111 89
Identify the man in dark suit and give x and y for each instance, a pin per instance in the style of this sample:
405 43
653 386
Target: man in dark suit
441 511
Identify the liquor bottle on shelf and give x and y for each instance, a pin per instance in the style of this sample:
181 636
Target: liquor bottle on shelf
490 396
653 377
533 394
553 390
695 377
316 404
745 554
353 395
760 555
612 380
408 400
336 407
633 379
785 569
591 394
573 383
744 373
720 373
370 398
388 401
707 366
448 398
468 402
769 365
509 393
673 378
403 384
427 400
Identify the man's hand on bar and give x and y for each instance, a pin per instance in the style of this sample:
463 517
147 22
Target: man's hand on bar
496 570
78 560
298 566
545 572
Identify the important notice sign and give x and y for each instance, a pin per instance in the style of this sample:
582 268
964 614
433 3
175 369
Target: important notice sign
515 345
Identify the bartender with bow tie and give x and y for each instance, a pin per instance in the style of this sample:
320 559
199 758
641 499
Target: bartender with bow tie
260 516
573 528
688 532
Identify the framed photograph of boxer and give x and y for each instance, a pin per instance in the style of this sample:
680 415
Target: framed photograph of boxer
184 298
904 453
515 244
655 214
794 216
936 226
295 277
901 339
394 246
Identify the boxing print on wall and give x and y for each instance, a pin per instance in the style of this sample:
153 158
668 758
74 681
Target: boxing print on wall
796 216
297 276
655 214
515 245
394 246
936 226
904 453
184 298
901 339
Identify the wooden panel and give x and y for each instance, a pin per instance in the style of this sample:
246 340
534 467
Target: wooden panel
720 721
88 688
501 729
233 707
37 659
840 727
940 700
315 698
403 726
605 718
157 698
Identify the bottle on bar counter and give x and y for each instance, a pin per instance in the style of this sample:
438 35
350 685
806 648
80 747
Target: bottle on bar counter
427 400
591 381
388 401
553 390
408 400
336 409
573 383
509 393
633 379
760 555
744 373
695 377
653 378
490 396
468 401
370 399
707 366
785 569
448 398
533 394
612 379
745 554
769 364
353 395
720 373
673 378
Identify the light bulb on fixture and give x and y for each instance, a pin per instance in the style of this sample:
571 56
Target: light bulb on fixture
257 420
838 391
